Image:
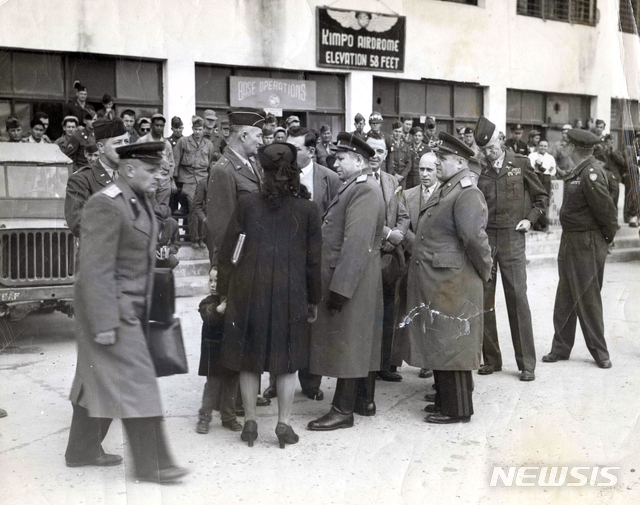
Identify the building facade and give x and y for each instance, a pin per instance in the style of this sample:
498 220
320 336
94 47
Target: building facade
540 63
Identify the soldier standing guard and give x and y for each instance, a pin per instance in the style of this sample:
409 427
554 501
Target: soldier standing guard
515 200
589 223
451 258
346 339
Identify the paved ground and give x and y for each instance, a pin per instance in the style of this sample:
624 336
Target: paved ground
573 414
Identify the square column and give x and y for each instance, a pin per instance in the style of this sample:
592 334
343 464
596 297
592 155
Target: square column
179 91
495 106
358 96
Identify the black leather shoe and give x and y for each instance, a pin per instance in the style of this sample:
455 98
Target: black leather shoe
333 420
425 374
164 476
527 376
270 392
202 427
432 409
233 425
430 397
365 409
440 418
263 402
103 460
389 376
605 363
489 369
552 358
314 394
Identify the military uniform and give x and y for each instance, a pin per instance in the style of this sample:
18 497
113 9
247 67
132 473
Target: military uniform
163 193
399 159
517 146
513 192
80 186
219 143
413 178
589 223
173 139
75 148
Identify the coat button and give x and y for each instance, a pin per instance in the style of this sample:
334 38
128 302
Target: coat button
422 238
429 214
326 221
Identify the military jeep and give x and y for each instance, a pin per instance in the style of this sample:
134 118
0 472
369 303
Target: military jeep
37 249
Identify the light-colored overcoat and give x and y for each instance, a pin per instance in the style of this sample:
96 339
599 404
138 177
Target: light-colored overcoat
348 343
113 291
451 257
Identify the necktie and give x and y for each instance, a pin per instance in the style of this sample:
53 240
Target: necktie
114 176
377 176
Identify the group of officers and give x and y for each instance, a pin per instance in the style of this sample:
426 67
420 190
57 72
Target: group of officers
410 274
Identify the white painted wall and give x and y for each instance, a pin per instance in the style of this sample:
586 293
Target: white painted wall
490 45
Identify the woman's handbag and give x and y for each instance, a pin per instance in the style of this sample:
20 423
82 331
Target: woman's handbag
167 348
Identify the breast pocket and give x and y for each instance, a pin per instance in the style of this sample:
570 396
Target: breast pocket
515 190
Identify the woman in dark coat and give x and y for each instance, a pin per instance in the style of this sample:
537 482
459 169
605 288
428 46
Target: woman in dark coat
273 288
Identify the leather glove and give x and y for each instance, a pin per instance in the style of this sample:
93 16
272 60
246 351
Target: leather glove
335 302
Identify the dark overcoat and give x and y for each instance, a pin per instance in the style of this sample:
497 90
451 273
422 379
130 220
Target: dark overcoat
326 185
268 291
212 337
348 343
80 186
451 257
113 291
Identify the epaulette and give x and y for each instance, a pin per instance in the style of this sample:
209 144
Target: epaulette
466 182
362 178
111 191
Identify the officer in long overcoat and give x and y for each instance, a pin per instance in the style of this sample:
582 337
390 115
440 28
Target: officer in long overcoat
115 376
347 337
451 259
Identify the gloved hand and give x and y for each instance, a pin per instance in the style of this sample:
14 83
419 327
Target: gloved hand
335 302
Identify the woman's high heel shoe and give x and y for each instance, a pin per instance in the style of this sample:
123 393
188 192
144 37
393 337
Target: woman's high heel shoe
286 435
249 432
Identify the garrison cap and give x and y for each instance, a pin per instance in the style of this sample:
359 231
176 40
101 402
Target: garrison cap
517 128
292 119
224 122
451 145
354 144
210 114
147 151
484 131
197 122
359 117
13 122
271 156
157 115
176 122
108 128
396 125
325 128
582 138
91 148
375 117
416 129
431 123
246 116
70 118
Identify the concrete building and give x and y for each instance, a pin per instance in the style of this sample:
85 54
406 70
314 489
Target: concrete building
541 63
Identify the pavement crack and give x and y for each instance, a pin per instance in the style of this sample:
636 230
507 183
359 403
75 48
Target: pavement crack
26 444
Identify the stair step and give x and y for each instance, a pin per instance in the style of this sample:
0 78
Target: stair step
190 268
192 286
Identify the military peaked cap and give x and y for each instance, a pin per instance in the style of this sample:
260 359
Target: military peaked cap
354 144
451 145
147 151
582 138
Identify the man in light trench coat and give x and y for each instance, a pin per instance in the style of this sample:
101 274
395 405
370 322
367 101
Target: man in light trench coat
346 339
451 258
115 376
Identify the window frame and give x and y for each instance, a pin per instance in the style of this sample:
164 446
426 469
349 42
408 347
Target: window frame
625 17
541 9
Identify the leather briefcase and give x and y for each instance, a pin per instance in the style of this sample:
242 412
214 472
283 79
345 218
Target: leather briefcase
167 348
163 298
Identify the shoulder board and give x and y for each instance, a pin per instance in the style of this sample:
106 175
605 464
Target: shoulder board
362 178
465 182
111 191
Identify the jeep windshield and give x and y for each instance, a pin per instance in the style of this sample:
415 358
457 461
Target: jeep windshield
20 181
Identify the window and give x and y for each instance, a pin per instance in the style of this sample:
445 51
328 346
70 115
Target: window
212 92
571 11
33 82
629 15
468 2
453 104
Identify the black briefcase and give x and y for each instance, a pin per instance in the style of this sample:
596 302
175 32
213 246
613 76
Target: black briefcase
167 348
163 298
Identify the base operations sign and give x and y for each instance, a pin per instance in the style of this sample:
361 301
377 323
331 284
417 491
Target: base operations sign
360 40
